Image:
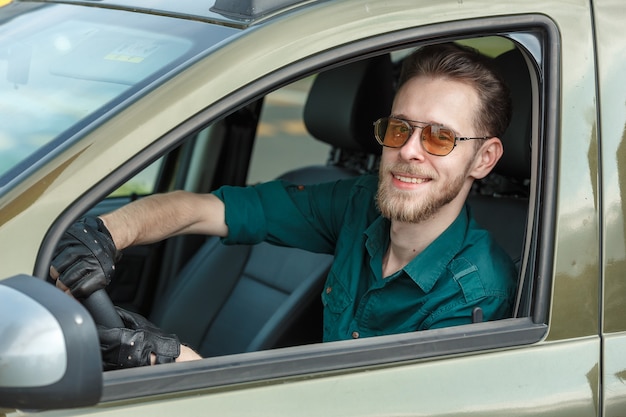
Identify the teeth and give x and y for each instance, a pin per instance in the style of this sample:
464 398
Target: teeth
411 180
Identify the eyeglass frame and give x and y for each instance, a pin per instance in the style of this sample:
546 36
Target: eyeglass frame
413 128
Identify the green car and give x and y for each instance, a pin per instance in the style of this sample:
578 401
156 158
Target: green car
106 101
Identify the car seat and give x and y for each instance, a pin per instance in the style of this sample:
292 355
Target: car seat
502 207
232 299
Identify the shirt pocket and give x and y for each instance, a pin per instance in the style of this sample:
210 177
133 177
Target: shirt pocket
335 297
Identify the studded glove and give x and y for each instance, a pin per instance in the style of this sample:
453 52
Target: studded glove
85 258
133 345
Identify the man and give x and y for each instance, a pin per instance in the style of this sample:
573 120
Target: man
408 256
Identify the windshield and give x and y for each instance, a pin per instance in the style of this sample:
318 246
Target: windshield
63 66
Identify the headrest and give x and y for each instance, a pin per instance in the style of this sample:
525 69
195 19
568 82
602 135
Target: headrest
515 161
344 103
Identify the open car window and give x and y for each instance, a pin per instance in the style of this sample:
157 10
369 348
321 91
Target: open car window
267 138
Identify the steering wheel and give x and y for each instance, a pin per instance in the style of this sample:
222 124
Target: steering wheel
102 310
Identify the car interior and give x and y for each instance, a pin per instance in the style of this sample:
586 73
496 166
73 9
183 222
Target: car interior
233 299
263 288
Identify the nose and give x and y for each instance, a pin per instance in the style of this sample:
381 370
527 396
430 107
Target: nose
413 149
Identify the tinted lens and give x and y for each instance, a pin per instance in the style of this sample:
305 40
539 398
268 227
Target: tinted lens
437 140
392 132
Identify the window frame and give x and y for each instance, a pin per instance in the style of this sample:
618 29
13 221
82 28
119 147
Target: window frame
540 36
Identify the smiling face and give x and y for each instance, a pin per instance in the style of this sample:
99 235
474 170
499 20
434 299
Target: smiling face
415 186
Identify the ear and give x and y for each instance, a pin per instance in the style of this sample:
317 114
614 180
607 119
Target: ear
486 158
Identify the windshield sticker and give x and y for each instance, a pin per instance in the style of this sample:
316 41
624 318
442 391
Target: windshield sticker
134 52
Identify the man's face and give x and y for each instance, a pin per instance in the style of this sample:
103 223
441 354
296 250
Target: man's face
415 186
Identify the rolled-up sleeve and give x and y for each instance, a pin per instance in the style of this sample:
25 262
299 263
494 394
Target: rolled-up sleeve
244 215
306 217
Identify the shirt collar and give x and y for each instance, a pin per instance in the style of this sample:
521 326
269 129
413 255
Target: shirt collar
426 268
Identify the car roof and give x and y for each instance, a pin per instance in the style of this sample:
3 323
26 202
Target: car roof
240 13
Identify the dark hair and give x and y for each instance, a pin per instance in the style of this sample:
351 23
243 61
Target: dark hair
466 65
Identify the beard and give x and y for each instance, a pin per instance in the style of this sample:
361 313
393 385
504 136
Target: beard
407 207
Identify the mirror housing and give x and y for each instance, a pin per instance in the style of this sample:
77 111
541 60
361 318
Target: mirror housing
49 348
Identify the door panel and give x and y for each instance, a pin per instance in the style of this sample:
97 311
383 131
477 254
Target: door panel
538 380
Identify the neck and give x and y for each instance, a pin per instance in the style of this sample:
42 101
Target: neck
407 240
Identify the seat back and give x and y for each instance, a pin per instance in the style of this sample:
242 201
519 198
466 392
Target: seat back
504 212
232 299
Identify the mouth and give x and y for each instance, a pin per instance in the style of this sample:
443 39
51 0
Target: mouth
410 180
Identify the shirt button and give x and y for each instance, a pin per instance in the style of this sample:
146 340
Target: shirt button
355 335
329 290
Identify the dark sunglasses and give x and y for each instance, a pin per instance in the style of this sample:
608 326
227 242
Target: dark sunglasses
437 139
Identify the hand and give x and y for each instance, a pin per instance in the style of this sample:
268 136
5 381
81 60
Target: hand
139 343
85 258
187 354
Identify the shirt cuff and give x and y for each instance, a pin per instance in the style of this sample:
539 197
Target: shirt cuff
244 214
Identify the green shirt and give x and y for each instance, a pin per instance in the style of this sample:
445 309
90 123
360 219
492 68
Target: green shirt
462 269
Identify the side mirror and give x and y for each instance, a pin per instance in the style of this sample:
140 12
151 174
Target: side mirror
49 349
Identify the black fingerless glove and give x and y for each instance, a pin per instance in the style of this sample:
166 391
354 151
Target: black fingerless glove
131 346
85 258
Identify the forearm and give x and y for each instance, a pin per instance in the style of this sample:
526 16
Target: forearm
160 216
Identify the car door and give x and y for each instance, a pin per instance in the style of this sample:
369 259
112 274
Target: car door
543 361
